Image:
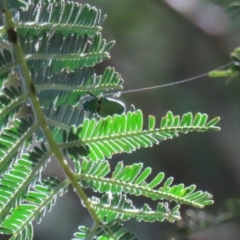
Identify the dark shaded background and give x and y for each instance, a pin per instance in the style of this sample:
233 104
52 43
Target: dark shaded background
158 42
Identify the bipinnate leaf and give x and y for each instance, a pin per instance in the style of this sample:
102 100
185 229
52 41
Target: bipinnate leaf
117 206
132 180
115 227
124 133
39 199
49 51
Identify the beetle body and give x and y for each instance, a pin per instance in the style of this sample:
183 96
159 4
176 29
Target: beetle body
104 106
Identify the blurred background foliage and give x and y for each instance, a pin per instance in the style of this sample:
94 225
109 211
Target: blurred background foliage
158 42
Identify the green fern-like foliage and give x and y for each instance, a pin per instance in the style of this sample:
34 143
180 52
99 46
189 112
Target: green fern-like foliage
234 69
49 51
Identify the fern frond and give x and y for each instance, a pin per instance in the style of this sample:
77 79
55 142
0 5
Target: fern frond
64 116
62 88
10 102
65 18
12 139
118 206
52 49
3 79
132 180
6 63
116 227
41 198
70 87
26 233
124 133
24 173
71 52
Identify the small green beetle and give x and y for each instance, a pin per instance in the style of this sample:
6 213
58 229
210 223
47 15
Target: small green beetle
103 106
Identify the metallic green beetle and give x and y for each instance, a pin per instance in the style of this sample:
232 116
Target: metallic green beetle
103 106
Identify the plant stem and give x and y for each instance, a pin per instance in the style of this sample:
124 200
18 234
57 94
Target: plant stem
41 119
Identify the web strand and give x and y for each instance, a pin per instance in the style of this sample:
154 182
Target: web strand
170 84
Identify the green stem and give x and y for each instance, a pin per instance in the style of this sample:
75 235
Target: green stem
57 124
67 57
41 120
65 87
92 231
91 30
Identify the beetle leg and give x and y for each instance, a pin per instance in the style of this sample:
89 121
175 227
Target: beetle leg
132 108
99 106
